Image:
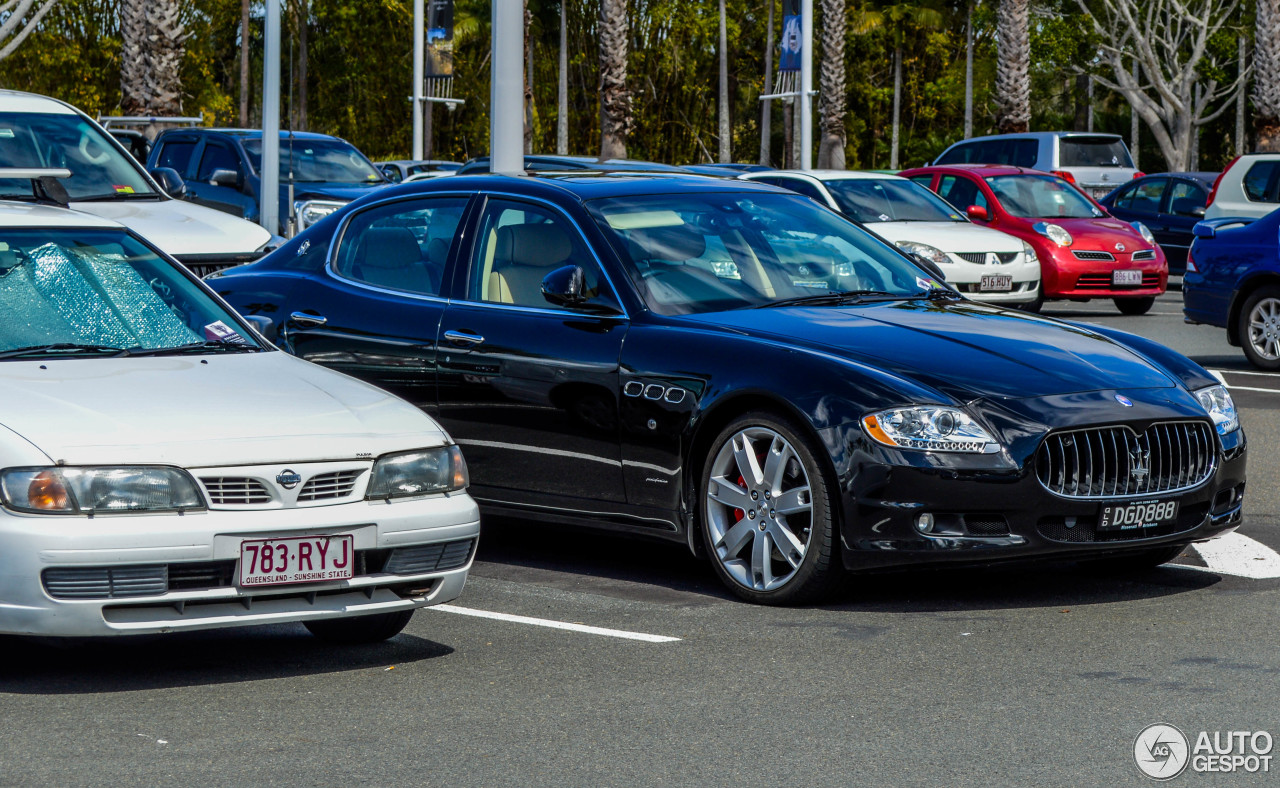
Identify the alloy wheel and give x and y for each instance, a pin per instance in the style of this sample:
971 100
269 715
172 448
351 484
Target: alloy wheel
1264 328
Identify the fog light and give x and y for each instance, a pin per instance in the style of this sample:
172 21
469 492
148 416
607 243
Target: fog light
924 523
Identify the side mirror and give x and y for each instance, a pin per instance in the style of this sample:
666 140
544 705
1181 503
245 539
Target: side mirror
978 213
934 270
224 178
1198 211
263 324
564 286
170 181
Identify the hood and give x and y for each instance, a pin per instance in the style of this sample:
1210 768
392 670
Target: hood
182 228
338 192
244 409
948 236
964 350
1101 233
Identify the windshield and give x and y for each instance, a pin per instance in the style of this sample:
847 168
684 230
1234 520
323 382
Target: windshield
692 253
40 139
1094 152
1041 197
870 201
102 289
318 161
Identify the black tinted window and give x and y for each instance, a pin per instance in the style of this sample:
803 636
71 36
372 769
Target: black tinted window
1014 152
1258 180
802 187
217 156
1093 152
176 154
402 245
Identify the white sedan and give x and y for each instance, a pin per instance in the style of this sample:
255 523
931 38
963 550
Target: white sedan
984 264
164 468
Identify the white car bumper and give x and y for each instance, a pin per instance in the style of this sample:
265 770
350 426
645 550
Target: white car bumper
184 569
967 278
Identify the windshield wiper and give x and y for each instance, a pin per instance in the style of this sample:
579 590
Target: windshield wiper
63 348
196 347
823 299
117 196
936 294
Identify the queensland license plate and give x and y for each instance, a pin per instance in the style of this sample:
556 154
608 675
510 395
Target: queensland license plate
995 282
1126 277
1139 514
295 559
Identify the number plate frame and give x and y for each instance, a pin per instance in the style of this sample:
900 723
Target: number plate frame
995 283
1137 515
334 562
1127 277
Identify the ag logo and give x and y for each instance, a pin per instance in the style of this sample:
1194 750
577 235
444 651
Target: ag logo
1161 751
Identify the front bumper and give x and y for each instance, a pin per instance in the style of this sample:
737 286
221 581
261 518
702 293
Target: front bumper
1001 512
967 278
207 545
1065 276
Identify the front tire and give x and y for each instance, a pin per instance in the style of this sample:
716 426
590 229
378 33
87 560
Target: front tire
766 512
1134 306
1259 328
373 628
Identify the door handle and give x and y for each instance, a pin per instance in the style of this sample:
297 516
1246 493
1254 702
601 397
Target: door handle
308 321
463 339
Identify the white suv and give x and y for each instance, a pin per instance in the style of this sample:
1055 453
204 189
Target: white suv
1096 163
1248 187
164 468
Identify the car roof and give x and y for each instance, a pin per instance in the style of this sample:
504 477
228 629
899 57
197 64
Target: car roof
981 170
1040 135
21 101
584 186
831 175
15 215
249 134
592 163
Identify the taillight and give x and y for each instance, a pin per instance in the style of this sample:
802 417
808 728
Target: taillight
1214 191
1191 264
1138 175
1064 175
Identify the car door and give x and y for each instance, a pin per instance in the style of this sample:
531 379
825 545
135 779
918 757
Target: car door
219 157
1183 206
530 390
963 191
374 311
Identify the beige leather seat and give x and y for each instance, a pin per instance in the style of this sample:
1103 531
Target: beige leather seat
523 255
389 257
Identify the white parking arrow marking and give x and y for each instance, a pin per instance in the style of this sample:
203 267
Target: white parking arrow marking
1237 554
544 622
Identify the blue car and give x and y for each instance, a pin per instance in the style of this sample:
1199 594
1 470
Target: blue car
1233 281
220 169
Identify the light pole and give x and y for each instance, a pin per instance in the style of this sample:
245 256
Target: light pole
418 46
506 97
269 202
806 84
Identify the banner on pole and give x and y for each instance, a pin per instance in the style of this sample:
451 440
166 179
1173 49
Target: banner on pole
789 57
439 54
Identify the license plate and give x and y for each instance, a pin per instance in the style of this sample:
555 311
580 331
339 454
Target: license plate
995 282
295 559
1140 514
1126 277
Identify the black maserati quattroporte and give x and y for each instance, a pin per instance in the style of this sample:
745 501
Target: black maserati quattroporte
734 367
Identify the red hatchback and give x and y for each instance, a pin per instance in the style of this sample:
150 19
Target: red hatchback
1084 251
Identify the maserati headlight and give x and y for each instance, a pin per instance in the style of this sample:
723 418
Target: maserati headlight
69 490
926 251
422 472
1216 401
311 211
1054 232
929 427
1144 232
1029 253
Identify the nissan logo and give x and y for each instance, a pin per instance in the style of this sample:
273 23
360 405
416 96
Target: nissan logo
1119 247
288 479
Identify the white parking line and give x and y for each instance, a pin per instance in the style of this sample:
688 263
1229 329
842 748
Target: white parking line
1237 554
1251 388
544 622
1217 372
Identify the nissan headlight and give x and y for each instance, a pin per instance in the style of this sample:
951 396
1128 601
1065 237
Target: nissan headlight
930 253
931 428
1216 401
421 472
311 211
1029 253
1054 232
1145 232
70 490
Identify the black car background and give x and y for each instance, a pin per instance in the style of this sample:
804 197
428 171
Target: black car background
1169 204
732 367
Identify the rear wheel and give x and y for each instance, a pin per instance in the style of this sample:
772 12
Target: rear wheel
1034 306
1259 328
360 629
1134 306
767 517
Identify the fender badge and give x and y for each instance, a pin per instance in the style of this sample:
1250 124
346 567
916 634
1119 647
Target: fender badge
1123 400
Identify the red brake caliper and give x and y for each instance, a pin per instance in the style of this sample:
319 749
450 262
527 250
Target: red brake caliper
738 514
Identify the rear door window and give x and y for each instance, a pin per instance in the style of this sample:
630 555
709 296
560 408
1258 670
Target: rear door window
1185 197
961 192
1146 197
1014 152
1260 181
176 154
402 245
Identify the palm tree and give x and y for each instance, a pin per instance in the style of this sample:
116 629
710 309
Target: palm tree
152 36
1013 66
135 96
244 62
766 106
832 88
897 19
615 99
1266 76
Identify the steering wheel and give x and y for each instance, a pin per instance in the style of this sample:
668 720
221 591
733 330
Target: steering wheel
101 158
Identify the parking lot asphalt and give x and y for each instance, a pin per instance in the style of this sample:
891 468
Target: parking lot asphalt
585 659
